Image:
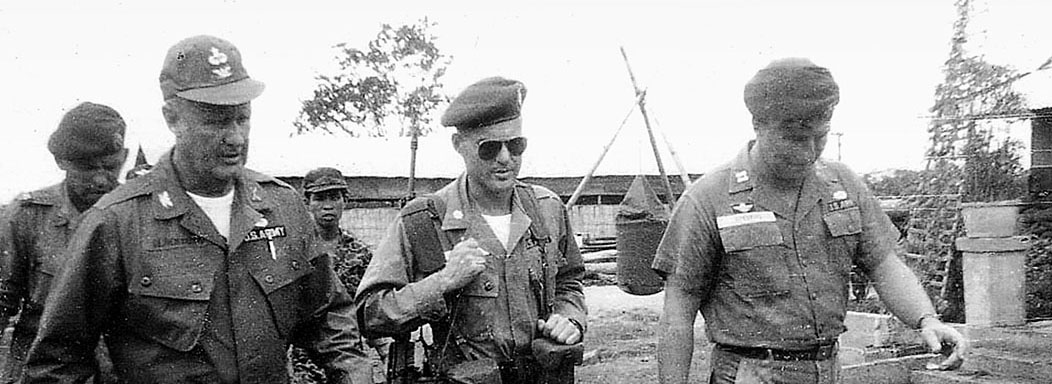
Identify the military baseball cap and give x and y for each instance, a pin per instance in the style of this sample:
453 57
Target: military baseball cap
207 69
88 130
323 179
489 101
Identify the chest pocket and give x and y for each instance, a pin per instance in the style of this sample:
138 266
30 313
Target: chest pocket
169 289
745 231
844 222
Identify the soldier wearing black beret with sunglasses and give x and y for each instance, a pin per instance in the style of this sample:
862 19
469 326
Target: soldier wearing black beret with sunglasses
507 279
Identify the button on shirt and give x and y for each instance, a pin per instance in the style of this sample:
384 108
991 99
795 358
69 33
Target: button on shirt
769 275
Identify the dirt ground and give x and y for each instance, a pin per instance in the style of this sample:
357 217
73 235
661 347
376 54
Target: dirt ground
622 333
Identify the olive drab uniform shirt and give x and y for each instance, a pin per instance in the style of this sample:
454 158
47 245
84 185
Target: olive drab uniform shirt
769 276
494 316
33 237
177 302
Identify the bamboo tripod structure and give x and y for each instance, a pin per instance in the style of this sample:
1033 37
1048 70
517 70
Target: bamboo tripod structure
640 102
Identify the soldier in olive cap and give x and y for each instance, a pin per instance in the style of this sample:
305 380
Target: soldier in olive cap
763 247
488 262
89 146
326 192
200 270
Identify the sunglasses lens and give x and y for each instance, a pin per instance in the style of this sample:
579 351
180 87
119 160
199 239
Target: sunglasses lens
489 149
517 146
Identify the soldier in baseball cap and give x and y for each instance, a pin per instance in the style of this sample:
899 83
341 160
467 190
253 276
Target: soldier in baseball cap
89 146
228 273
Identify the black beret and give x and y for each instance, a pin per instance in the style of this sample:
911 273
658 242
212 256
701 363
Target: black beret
487 102
88 130
323 179
791 89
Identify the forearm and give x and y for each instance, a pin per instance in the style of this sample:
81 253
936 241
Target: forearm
390 311
900 291
676 332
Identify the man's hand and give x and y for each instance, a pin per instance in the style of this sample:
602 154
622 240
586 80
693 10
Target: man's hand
942 338
465 262
560 329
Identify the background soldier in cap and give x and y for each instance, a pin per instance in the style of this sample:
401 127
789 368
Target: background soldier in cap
326 193
764 244
488 262
200 270
89 146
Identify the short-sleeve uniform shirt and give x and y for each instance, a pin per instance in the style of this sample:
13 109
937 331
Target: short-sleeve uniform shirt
769 275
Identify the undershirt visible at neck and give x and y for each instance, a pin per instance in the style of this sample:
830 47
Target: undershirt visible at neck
217 209
501 226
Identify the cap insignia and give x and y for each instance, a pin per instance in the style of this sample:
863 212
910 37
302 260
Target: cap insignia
219 58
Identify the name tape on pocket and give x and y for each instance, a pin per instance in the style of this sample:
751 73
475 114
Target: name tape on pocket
744 219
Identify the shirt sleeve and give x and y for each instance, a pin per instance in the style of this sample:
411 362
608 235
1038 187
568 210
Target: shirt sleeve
879 236
80 303
14 263
689 248
569 290
389 301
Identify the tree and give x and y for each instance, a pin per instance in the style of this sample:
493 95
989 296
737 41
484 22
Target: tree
398 76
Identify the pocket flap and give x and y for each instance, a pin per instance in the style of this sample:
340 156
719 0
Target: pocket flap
744 231
188 286
844 222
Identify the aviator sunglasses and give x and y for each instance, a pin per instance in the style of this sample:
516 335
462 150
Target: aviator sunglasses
489 149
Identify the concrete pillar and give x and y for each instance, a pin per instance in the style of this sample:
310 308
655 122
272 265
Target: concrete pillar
994 277
994 264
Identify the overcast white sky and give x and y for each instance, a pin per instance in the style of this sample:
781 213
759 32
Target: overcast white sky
693 58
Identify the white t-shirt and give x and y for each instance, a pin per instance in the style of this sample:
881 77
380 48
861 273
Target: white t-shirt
501 226
218 209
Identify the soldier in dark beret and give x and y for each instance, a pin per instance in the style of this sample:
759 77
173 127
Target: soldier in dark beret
201 270
89 146
488 263
763 247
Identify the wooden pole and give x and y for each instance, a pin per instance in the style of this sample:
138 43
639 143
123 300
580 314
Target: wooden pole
683 175
588 177
650 132
413 142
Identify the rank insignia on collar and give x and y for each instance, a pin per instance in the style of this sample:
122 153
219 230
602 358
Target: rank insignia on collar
742 207
839 195
457 214
255 195
741 176
165 199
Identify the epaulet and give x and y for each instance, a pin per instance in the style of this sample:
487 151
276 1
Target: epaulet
46 196
264 178
542 193
138 186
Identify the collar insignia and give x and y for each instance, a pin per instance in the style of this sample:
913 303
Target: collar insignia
457 214
741 176
165 199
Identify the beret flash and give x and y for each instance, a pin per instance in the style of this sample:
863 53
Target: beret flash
487 102
88 130
791 89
